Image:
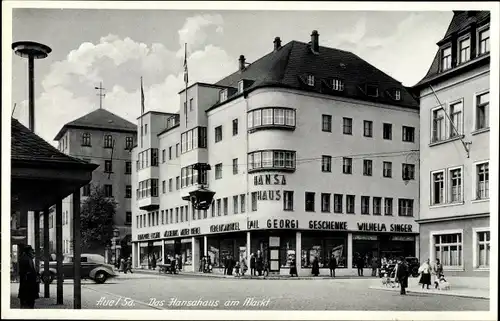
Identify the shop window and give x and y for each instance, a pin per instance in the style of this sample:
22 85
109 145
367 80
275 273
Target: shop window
186 254
448 249
288 200
337 203
323 248
482 249
287 250
366 247
309 200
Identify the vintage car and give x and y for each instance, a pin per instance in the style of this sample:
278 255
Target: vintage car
92 267
413 266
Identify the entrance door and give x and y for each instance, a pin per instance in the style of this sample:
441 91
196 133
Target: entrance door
274 254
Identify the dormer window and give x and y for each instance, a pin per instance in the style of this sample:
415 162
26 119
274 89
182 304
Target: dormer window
223 95
371 91
310 80
464 50
484 41
338 85
446 59
240 86
397 94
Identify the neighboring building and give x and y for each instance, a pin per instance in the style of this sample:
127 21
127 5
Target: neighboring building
454 199
307 146
106 139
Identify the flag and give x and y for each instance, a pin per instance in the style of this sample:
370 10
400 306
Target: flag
185 65
142 99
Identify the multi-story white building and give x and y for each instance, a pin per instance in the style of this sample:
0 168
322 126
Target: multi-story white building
307 146
455 149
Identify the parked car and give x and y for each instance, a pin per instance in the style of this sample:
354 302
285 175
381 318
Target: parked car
92 267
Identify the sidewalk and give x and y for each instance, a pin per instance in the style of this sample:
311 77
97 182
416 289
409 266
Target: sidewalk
41 303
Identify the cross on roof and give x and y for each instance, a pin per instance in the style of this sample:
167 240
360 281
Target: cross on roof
100 94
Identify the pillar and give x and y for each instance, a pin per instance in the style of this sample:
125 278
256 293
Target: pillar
205 245
59 252
31 229
36 226
162 251
349 251
77 251
134 254
417 246
249 240
195 253
46 253
298 251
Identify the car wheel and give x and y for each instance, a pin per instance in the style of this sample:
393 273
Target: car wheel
100 277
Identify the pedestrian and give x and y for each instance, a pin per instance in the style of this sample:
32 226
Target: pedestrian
402 275
360 264
315 266
425 274
202 264
244 266
128 265
226 263
237 269
179 262
332 264
173 265
153 262
374 266
29 283
437 270
259 262
121 265
209 264
252 264
293 267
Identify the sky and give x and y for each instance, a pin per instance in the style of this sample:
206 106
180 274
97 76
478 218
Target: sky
117 47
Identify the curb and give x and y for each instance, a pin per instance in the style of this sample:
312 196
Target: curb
470 296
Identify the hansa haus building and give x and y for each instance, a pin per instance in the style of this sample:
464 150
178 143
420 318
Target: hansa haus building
307 146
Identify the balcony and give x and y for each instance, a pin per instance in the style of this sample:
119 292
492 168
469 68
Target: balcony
149 203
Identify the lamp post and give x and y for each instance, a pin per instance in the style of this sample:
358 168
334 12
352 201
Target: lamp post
31 50
116 234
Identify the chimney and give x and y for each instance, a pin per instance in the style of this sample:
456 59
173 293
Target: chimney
315 41
277 43
242 62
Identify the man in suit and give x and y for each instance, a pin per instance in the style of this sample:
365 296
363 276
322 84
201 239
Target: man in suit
28 279
402 275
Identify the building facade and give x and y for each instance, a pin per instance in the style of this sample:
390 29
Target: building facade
454 121
299 144
106 139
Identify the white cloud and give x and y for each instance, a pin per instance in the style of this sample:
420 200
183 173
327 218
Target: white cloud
196 30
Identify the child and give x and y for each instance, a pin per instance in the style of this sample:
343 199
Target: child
442 284
237 269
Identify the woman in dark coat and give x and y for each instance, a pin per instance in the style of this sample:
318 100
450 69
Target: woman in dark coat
293 268
28 279
332 264
252 264
153 262
315 266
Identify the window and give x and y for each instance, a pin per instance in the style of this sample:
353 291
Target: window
128 168
213 208
163 186
145 129
397 94
108 141
128 191
456 119
438 129
325 202
254 201
408 134
482 249
170 153
387 131
309 196
483 111
367 167
365 205
289 117
235 204
347 165
154 187
154 156
223 95
408 171
170 185
484 41
350 199
310 80
108 190
448 249
267 116
482 181
235 127
177 150
182 214
337 85
437 188
129 142
377 205
388 206
405 207
337 203
240 86
128 218
176 215
86 140
191 104
326 163
371 91
225 203
368 128
446 59
288 200
177 183
108 166
86 190
242 203
464 50
455 176
271 159
218 171
218 134
326 123
193 138
347 126
235 166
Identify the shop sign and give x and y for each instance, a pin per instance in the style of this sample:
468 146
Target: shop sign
275 179
253 224
328 225
402 238
225 227
282 223
381 227
191 231
271 195
365 237
171 233
148 236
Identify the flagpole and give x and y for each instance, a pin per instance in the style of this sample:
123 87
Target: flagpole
186 82
142 112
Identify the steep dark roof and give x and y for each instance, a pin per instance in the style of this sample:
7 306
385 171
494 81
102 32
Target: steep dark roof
291 64
26 146
461 20
99 119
